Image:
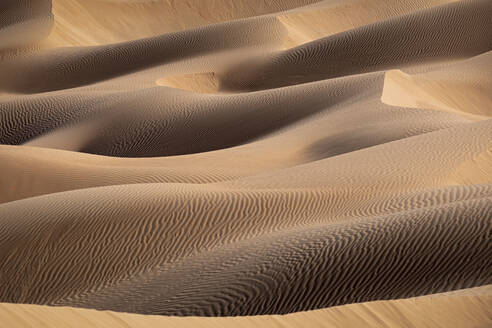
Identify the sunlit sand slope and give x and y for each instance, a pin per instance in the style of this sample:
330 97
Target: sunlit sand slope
151 226
228 158
468 308
427 35
462 88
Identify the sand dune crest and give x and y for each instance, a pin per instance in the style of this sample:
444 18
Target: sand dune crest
327 160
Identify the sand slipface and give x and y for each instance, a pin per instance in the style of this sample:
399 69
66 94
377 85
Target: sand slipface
327 160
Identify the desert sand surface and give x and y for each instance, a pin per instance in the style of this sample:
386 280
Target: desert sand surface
468 308
301 163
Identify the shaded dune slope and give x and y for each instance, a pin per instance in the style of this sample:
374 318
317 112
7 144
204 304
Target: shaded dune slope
180 120
432 34
246 158
35 171
70 67
275 274
468 308
171 122
301 266
176 221
23 23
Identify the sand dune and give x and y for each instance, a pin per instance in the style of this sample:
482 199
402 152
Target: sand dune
440 89
99 22
432 34
73 66
230 158
471 304
336 130
322 192
343 258
328 17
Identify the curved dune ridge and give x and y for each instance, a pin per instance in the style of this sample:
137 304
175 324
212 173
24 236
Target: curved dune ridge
469 308
231 158
440 89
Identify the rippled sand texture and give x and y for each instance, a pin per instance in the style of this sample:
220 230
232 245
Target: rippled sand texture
468 308
249 157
